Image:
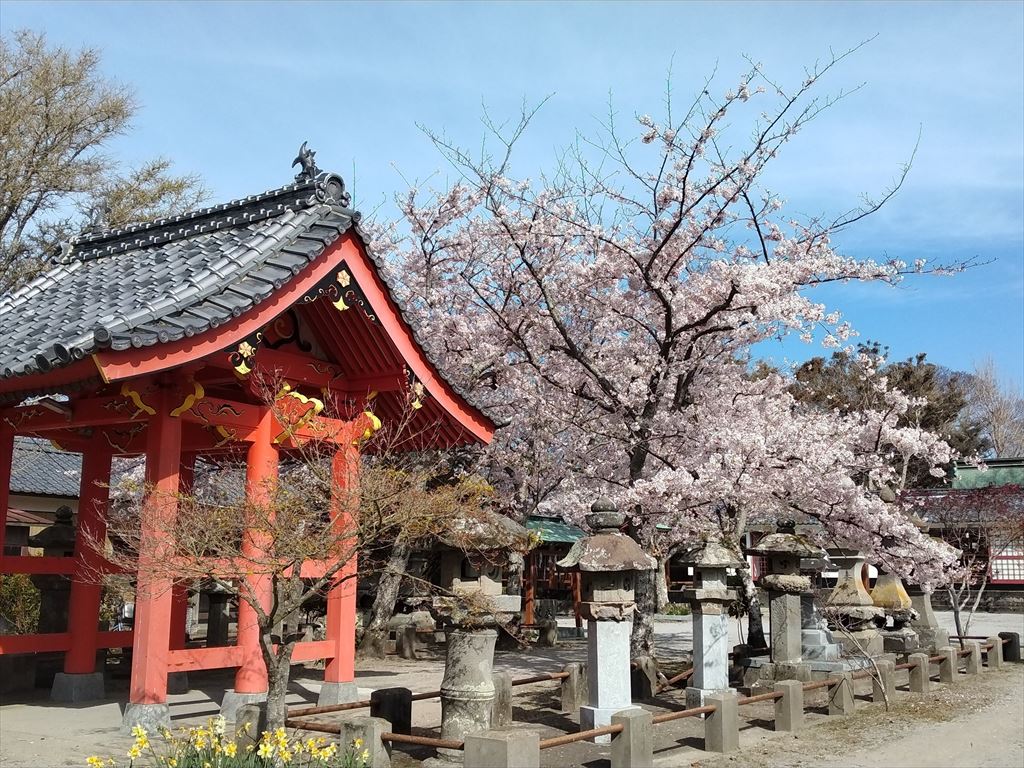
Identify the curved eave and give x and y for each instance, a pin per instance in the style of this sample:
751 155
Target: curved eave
348 248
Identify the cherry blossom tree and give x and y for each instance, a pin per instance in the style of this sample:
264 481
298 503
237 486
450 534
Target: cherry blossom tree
606 313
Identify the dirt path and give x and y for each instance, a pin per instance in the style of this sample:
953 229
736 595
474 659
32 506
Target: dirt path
976 723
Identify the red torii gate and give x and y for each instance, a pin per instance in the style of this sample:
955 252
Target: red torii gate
157 360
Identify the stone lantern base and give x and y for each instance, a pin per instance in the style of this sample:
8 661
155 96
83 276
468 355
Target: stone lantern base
607 674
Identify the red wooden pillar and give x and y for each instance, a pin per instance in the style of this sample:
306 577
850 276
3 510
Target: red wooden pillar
341 600
86 586
179 594
260 482
153 592
6 460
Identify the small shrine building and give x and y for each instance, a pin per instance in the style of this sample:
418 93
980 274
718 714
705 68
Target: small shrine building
143 341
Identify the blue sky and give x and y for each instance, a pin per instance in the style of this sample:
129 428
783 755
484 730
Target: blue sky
230 90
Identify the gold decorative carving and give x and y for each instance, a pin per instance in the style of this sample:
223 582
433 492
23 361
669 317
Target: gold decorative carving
140 406
198 393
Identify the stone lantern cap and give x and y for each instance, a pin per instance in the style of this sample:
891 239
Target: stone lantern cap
607 549
786 541
712 554
486 532
58 536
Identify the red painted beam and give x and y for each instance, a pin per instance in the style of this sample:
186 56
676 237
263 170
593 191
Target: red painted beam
48 643
110 639
204 658
62 566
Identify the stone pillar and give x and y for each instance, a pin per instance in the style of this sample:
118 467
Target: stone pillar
949 665
395 706
840 695
467 689
407 641
995 652
369 731
501 710
634 746
929 632
573 691
974 660
789 710
1011 648
722 727
607 674
883 686
785 623
920 673
503 749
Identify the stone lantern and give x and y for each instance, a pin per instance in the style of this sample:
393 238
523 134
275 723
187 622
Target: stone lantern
474 553
709 600
56 540
608 562
785 586
849 606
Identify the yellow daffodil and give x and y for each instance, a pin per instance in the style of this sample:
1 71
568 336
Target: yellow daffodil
230 749
357 743
94 762
138 731
134 753
265 750
172 762
366 755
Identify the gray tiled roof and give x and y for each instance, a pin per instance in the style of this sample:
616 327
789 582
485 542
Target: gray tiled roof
169 278
40 469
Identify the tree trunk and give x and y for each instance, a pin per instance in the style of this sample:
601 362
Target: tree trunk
278 674
662 576
642 640
752 606
954 603
375 634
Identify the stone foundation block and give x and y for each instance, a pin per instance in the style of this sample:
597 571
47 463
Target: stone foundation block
337 693
920 673
233 700
395 706
634 747
1011 649
789 710
883 683
369 730
503 749
70 688
722 727
994 655
150 717
574 687
501 707
840 696
949 665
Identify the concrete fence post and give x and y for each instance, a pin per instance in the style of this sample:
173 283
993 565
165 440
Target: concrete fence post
369 731
1011 649
502 749
722 727
501 707
250 723
840 695
920 673
407 641
974 660
789 710
883 685
574 687
395 706
949 665
995 653
548 635
634 747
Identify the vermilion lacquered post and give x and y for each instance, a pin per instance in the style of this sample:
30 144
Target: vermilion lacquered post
260 482
341 600
153 592
86 586
179 594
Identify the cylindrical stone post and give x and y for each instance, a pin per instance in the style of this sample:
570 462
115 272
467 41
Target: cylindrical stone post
883 684
407 642
467 689
395 706
634 747
994 656
501 709
722 727
369 731
840 695
1011 648
949 664
503 749
574 687
789 710
974 660
920 673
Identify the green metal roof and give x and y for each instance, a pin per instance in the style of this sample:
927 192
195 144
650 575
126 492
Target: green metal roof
552 531
998 472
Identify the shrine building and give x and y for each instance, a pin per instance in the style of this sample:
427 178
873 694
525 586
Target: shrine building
145 341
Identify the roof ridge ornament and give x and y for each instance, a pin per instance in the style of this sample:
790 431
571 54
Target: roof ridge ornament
306 159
